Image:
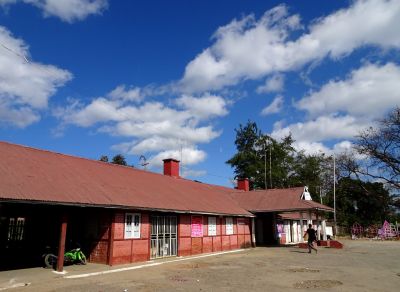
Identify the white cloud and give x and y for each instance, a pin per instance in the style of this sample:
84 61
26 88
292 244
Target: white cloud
274 107
66 10
272 84
25 86
153 126
188 156
204 107
368 91
311 148
323 128
126 95
340 109
250 48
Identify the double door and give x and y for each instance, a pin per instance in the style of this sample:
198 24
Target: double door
163 237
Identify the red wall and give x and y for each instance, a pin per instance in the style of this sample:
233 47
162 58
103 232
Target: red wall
188 245
130 250
136 250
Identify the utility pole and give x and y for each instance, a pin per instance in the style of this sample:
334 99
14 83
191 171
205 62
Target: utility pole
265 165
270 165
334 193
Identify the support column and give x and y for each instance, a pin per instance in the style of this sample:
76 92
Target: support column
318 227
301 227
111 240
276 238
61 245
253 232
325 237
310 218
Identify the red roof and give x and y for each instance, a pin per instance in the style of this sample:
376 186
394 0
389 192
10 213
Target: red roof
276 200
36 175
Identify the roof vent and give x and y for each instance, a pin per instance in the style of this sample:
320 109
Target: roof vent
171 167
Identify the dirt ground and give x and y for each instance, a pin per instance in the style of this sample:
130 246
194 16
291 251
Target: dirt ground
361 266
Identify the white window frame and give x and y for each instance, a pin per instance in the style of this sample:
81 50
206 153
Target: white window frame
132 226
212 226
228 225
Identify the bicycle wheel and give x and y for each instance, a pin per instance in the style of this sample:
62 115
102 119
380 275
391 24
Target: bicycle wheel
50 261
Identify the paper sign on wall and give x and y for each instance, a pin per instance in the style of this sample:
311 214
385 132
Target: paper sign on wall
197 226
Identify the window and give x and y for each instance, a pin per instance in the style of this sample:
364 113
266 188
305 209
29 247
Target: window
132 225
212 226
16 228
229 225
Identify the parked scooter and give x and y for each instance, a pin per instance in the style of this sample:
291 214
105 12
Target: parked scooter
74 256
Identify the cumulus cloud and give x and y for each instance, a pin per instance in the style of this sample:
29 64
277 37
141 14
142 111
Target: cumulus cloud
251 48
204 107
67 10
274 107
272 84
187 156
368 91
323 128
126 95
155 128
342 108
25 86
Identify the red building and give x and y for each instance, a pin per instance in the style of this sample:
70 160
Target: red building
121 215
118 214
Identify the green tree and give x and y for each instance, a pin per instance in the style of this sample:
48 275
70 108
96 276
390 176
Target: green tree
363 202
246 162
312 171
119 159
104 158
268 163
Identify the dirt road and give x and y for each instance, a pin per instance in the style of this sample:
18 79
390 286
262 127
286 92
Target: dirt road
360 266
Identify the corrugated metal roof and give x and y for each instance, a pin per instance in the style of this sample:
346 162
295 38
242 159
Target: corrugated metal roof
276 200
36 175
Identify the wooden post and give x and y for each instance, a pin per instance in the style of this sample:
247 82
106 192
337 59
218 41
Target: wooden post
324 229
318 227
274 231
301 239
111 239
253 232
61 245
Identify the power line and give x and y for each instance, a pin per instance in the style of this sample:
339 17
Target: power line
15 53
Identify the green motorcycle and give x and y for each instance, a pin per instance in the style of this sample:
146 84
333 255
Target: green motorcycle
74 256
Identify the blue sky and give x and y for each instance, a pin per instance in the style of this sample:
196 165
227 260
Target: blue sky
175 78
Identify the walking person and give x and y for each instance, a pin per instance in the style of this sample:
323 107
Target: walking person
311 238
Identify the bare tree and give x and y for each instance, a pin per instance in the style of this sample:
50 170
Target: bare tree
381 147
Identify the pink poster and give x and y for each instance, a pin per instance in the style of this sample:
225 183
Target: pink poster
197 226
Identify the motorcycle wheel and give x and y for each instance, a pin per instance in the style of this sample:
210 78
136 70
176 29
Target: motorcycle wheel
83 259
50 261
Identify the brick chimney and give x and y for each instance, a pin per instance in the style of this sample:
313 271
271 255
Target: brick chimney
171 167
243 184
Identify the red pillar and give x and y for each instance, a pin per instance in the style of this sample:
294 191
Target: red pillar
111 239
61 245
